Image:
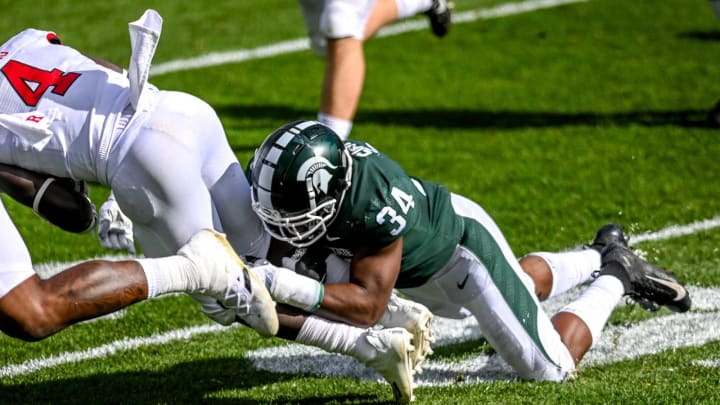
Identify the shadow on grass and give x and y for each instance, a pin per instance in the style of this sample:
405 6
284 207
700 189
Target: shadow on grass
278 115
701 35
187 383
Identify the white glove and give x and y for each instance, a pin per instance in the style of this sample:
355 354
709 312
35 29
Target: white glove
115 229
212 308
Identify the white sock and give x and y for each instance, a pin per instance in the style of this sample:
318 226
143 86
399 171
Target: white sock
334 337
596 303
342 127
169 274
570 269
408 8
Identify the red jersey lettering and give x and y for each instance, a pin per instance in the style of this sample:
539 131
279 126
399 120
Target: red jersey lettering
20 75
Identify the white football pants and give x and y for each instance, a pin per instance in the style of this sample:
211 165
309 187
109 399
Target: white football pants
180 175
500 295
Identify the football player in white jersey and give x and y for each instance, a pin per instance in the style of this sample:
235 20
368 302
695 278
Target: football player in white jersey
163 153
165 156
338 30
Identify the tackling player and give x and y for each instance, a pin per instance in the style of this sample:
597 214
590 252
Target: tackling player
438 248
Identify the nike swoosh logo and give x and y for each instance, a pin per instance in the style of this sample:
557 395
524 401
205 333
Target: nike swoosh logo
461 284
681 292
331 238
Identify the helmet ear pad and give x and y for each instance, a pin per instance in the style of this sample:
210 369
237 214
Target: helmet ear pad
299 178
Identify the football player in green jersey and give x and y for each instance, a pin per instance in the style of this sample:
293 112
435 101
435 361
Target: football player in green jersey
314 191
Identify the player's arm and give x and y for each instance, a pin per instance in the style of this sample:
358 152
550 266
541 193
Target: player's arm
62 202
363 300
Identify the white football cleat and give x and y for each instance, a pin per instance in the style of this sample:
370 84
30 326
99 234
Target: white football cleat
415 318
223 275
389 353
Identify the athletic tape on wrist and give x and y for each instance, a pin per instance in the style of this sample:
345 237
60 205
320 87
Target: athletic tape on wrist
321 296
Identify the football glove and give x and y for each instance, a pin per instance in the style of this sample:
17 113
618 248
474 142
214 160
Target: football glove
114 228
214 310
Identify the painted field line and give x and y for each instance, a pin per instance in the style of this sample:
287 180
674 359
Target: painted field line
617 343
301 44
677 230
447 332
109 349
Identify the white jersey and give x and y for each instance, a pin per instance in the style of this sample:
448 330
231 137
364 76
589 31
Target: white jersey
169 164
56 103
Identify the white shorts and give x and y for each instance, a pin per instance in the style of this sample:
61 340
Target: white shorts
15 262
179 175
334 19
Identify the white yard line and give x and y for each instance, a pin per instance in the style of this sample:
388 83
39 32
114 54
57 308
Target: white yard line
108 349
301 44
700 326
617 343
677 230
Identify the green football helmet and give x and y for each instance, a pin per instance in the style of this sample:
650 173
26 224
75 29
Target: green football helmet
299 177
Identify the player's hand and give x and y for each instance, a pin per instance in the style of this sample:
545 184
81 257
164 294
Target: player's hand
309 262
114 228
212 308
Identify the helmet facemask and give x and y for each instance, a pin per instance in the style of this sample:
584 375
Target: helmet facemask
300 230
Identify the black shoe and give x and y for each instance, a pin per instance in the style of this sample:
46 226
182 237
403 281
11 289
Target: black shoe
440 19
608 234
648 285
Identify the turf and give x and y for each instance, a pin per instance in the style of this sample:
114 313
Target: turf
557 121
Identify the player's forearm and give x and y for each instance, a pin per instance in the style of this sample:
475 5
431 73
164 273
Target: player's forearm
20 184
352 303
58 201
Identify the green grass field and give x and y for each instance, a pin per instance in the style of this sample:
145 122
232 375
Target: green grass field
556 120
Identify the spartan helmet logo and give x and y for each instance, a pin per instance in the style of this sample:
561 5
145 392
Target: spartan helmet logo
316 168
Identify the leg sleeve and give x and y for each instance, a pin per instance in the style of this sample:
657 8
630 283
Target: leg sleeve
230 193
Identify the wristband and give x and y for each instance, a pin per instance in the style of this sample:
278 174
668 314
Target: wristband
39 195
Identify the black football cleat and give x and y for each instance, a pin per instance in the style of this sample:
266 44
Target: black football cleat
647 284
607 234
440 17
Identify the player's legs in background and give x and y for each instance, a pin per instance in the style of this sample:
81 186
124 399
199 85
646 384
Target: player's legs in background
342 84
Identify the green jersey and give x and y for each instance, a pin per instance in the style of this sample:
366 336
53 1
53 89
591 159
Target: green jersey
382 204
